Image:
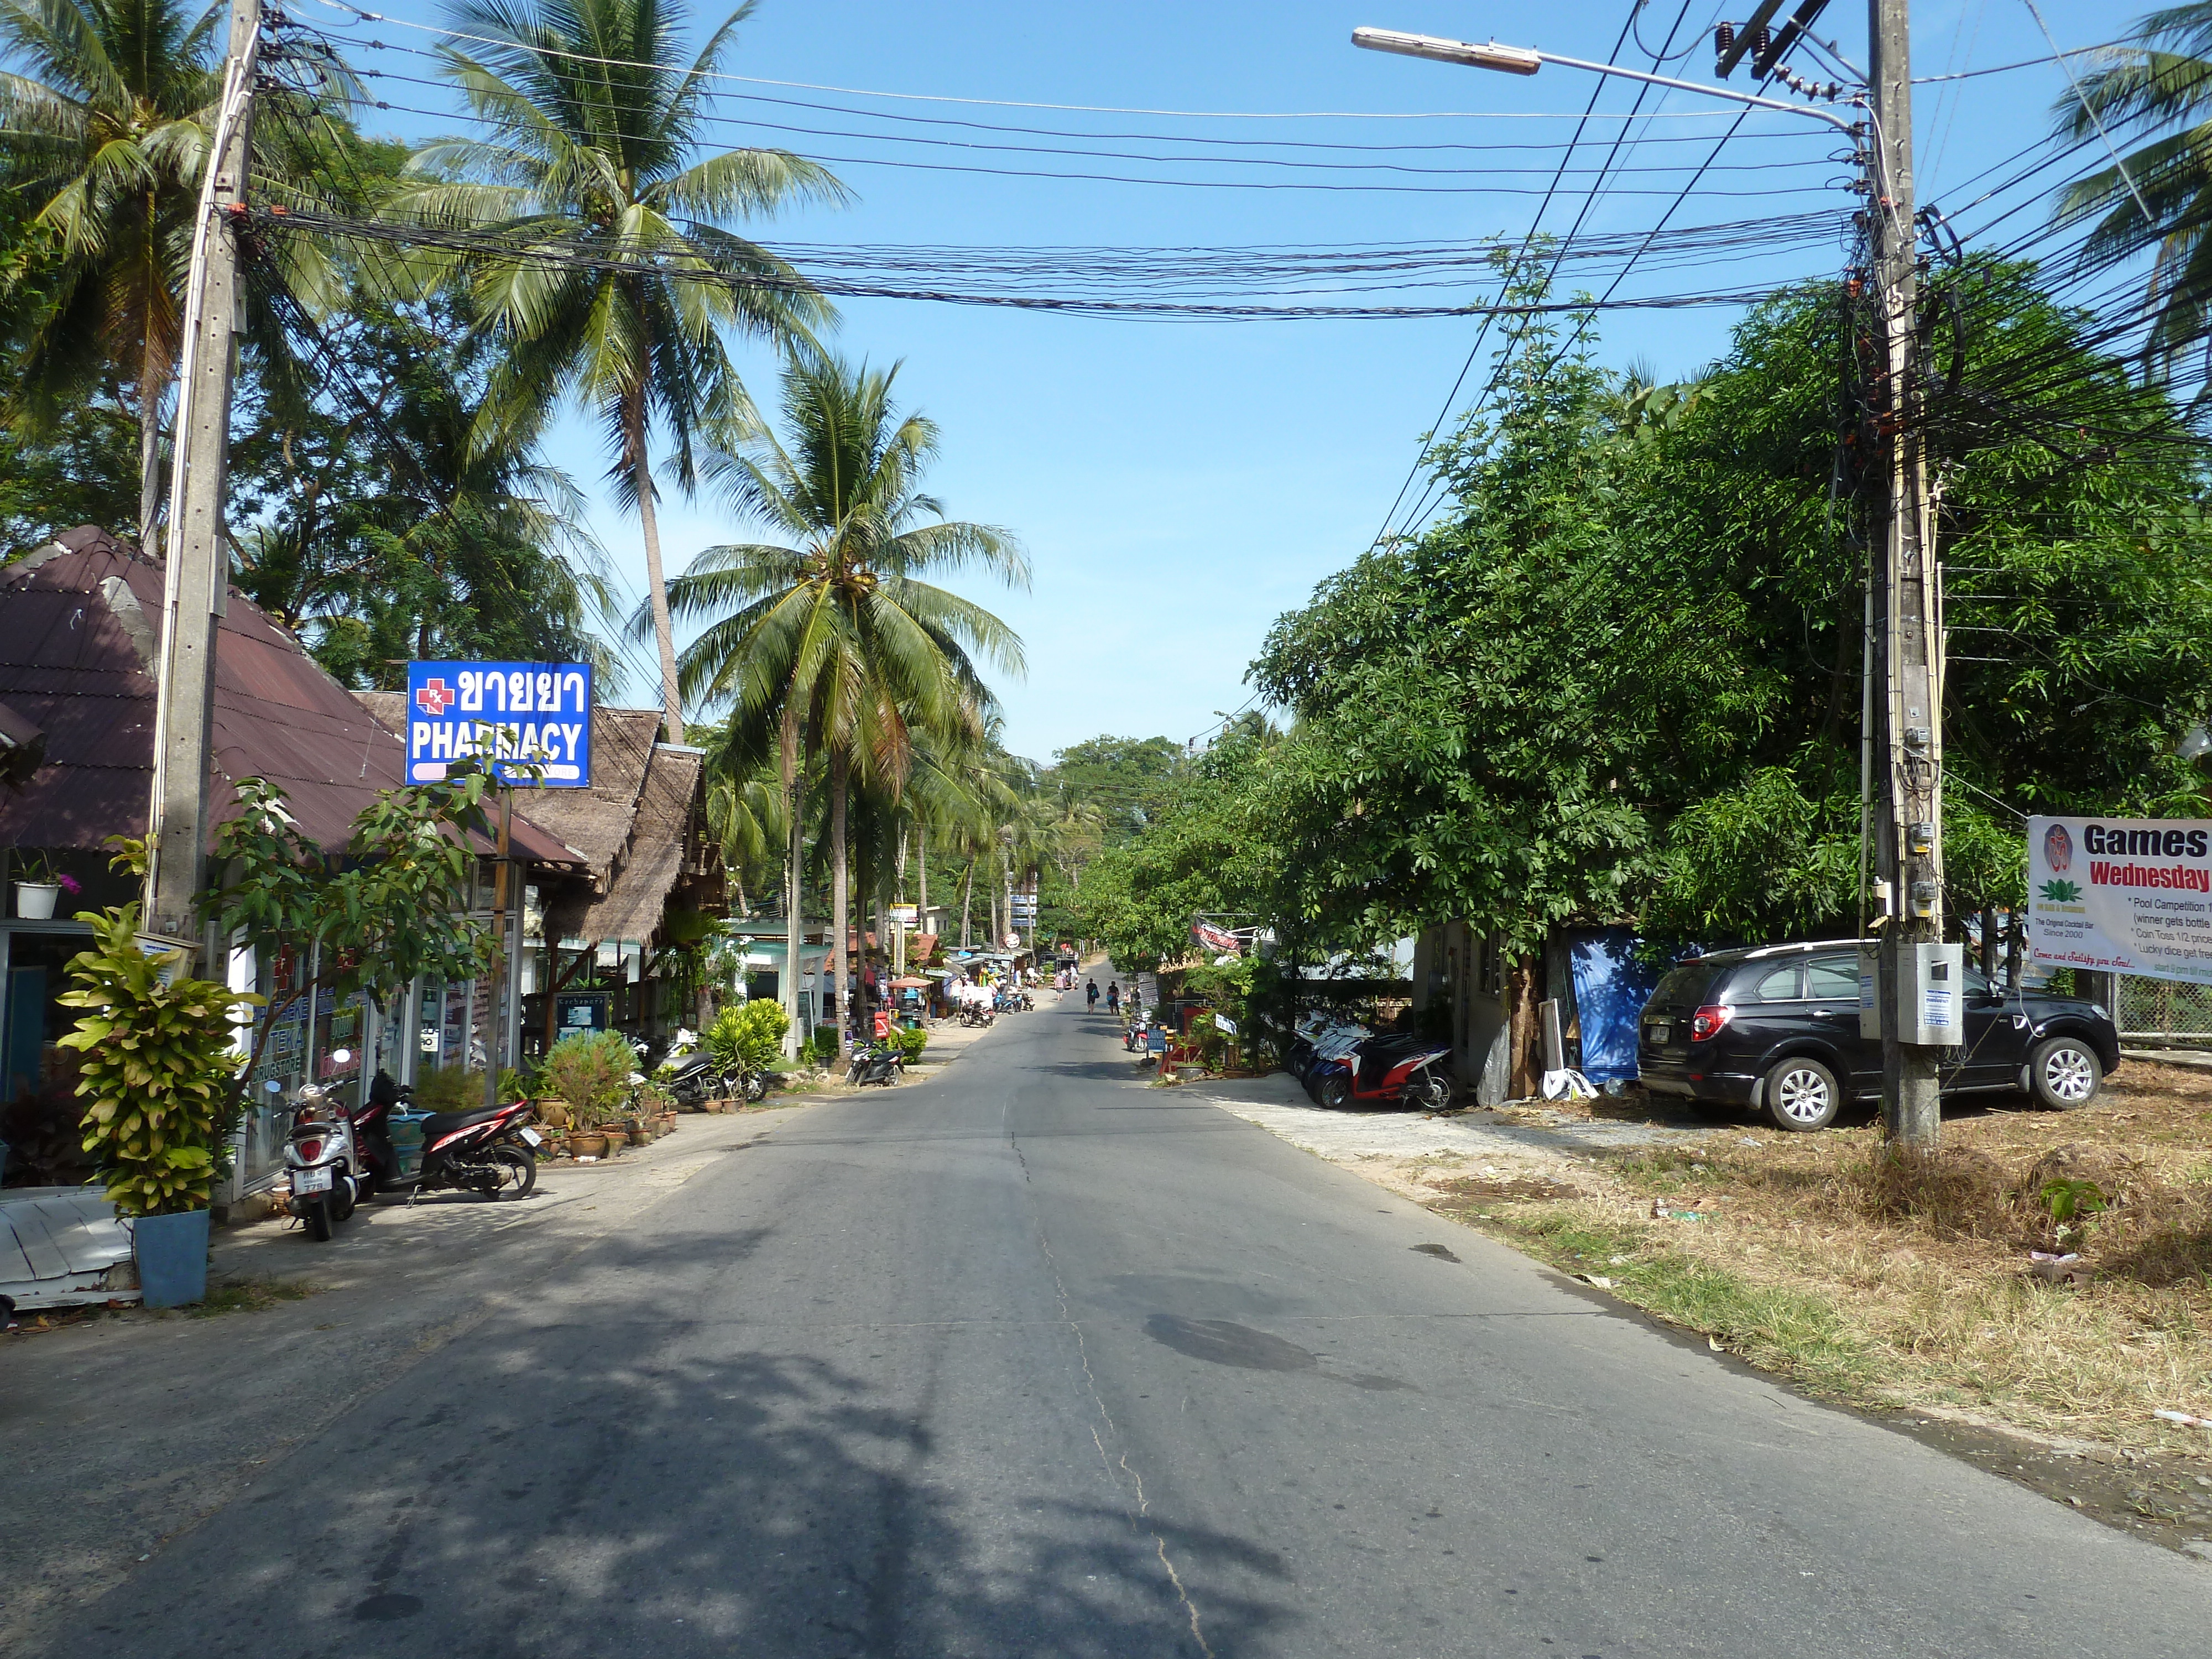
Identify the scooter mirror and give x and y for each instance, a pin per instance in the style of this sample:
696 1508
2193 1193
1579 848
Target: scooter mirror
273 1086
341 1056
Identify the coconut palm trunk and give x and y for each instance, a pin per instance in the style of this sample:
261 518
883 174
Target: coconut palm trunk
794 904
153 376
839 894
639 463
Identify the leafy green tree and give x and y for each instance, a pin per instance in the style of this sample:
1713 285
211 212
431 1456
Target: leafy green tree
374 521
614 233
1120 780
107 130
836 640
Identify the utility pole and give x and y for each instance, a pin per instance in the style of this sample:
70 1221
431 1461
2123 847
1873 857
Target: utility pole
195 576
1908 829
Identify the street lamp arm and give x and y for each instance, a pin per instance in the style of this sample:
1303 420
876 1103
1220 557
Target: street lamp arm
1523 60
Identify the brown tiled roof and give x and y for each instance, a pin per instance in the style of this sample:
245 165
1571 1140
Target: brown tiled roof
80 627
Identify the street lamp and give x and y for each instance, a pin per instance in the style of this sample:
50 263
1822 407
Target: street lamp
1526 60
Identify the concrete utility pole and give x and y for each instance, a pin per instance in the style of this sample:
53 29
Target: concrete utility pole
197 568
1908 829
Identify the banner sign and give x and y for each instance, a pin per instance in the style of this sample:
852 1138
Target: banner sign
530 722
1219 940
2128 896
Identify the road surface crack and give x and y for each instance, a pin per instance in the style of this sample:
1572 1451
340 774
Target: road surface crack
1111 1459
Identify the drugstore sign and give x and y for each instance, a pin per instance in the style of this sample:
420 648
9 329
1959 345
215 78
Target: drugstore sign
530 722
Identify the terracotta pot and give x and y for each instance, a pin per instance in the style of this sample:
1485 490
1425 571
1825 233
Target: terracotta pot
553 1114
587 1146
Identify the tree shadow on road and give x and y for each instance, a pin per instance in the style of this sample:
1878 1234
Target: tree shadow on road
624 1466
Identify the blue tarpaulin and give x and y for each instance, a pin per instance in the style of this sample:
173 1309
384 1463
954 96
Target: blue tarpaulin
1611 988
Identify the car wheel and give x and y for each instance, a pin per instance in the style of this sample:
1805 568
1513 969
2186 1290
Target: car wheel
2064 1073
1802 1094
1335 1091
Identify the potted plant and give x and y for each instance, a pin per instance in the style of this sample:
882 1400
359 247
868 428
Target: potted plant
38 885
589 1071
158 1077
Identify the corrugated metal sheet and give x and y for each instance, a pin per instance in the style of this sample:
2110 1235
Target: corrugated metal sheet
79 628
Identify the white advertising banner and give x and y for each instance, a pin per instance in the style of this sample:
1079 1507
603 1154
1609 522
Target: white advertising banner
2128 896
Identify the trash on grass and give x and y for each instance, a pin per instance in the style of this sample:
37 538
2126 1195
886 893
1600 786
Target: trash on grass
2068 1269
2183 1418
1598 1279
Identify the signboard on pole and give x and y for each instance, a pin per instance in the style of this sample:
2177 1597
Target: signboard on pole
2125 895
530 722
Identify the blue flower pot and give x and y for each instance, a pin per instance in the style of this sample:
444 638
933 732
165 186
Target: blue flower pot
173 1258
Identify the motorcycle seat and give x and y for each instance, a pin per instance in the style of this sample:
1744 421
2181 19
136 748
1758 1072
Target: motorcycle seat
438 1125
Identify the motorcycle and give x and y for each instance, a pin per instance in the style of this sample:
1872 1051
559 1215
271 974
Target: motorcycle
876 1062
695 1078
492 1151
321 1161
1395 1069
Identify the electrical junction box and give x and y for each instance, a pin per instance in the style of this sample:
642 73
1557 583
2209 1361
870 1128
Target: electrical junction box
1935 1002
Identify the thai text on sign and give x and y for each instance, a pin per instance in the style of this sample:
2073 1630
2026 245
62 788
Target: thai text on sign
529 723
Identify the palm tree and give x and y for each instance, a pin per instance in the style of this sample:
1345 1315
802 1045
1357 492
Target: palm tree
610 280
108 131
836 631
2158 198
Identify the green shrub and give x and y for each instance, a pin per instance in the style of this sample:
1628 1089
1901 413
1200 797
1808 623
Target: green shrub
159 1070
748 1036
909 1044
824 1046
590 1070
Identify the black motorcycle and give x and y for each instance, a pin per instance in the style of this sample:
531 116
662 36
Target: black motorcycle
493 1152
695 1079
875 1062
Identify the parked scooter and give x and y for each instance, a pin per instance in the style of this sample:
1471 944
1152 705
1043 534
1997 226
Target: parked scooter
321 1160
695 1078
1397 1069
876 1062
493 1152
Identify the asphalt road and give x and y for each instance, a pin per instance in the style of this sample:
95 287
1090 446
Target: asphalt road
1034 1360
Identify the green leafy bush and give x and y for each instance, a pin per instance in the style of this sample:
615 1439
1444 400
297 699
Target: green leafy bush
590 1070
748 1035
909 1044
159 1071
824 1045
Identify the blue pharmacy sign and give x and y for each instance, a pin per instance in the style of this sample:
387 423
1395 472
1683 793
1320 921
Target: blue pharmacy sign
530 722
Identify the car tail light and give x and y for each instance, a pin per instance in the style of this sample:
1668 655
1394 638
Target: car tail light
309 1150
1708 1021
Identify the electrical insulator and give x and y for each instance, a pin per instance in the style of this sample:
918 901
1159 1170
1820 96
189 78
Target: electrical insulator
1761 38
1723 38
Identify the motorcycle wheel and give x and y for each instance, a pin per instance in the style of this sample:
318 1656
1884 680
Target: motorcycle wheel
1432 1092
755 1086
1335 1091
517 1172
318 1220
342 1198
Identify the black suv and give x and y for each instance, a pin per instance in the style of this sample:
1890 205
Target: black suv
1777 1030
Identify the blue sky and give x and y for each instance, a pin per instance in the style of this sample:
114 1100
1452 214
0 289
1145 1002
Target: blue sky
1179 484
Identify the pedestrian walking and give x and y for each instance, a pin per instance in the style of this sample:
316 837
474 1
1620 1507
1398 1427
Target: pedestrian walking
1114 996
1090 996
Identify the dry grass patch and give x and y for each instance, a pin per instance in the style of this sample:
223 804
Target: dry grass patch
1893 1282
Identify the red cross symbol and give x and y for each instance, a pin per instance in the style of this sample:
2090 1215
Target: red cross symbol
434 697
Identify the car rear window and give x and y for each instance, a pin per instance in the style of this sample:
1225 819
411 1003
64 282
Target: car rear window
1778 985
1684 986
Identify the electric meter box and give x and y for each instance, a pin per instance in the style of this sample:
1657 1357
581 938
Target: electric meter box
1935 1004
